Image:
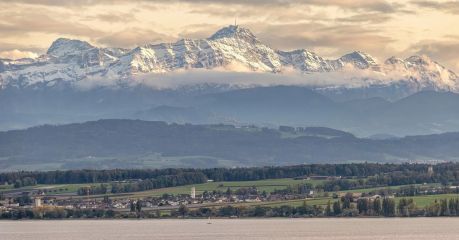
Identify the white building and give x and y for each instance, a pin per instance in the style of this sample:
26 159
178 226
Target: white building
37 202
193 193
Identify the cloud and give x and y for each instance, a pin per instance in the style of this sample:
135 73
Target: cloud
132 37
285 10
5 46
239 76
330 28
199 31
113 17
366 18
17 54
444 51
36 20
338 38
374 5
382 6
448 7
68 3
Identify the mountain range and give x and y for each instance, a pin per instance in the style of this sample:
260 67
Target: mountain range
249 83
231 48
140 144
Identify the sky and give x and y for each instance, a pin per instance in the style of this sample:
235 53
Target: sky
331 28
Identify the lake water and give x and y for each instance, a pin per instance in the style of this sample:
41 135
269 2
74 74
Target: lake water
238 229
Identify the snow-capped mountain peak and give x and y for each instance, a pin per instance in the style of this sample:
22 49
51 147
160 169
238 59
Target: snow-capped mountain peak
306 61
359 59
394 60
234 31
233 47
424 71
65 46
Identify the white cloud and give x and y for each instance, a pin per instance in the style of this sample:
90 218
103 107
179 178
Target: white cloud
241 78
17 54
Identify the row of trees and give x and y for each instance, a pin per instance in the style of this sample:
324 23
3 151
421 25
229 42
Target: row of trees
386 207
183 178
92 190
56 213
23 182
192 178
378 174
180 179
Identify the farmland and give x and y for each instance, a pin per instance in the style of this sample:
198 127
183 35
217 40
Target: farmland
317 190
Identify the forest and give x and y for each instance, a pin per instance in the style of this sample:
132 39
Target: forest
370 174
108 144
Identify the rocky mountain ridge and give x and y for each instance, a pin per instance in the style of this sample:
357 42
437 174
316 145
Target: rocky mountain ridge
71 61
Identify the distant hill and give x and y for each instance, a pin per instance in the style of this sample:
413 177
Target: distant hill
233 77
135 144
426 112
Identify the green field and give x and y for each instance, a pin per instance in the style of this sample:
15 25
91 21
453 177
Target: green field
50 188
268 185
5 187
368 190
67 188
424 200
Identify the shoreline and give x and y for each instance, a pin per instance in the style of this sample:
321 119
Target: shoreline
221 218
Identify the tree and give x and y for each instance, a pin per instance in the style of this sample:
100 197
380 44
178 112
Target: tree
138 206
453 206
405 206
18 184
337 208
132 206
433 209
228 192
328 211
377 209
183 210
388 207
259 211
347 199
362 206
346 203
305 209
444 211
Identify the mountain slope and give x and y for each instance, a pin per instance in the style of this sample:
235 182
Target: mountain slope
426 112
232 48
133 143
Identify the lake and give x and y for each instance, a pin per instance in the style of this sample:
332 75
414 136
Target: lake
237 229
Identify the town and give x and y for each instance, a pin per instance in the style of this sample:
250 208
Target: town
323 195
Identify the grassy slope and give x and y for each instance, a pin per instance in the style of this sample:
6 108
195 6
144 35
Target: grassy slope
422 201
262 185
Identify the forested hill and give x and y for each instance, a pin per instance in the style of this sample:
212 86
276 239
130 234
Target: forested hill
135 143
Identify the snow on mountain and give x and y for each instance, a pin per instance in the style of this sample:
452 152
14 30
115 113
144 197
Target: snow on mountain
74 60
306 61
359 60
423 71
64 46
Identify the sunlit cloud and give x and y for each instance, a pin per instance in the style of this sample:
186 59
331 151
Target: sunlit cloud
238 75
382 28
445 6
132 37
17 54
